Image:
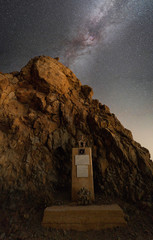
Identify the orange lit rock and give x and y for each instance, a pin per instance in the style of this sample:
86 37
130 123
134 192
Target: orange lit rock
44 110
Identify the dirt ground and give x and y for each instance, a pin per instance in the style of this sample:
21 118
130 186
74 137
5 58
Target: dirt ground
20 221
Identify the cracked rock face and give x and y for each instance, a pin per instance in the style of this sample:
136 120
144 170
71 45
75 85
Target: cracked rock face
44 110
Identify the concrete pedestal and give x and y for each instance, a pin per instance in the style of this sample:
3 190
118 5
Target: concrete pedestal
83 218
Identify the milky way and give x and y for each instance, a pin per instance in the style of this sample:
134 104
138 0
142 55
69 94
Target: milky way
103 24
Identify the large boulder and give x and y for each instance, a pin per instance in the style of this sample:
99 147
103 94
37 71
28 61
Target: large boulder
44 110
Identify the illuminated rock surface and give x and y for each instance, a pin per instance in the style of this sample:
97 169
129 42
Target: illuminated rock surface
44 110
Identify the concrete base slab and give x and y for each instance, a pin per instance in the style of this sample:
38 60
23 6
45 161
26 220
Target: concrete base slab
83 218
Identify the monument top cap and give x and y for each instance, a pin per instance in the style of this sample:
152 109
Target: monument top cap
82 142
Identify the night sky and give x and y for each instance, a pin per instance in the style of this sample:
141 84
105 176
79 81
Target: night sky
108 44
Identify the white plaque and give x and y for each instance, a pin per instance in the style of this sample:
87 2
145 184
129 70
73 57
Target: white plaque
81 159
82 171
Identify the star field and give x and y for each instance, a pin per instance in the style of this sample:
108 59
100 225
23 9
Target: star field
108 44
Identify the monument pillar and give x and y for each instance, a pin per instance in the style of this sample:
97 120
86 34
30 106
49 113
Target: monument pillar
82 170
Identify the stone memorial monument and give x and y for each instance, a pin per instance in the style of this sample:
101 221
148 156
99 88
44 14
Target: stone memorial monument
83 218
82 171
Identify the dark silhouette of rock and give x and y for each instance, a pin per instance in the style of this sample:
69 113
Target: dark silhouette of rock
44 110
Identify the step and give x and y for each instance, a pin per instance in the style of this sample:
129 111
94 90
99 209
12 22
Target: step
83 218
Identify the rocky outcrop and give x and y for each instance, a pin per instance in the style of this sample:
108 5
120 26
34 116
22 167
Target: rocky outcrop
44 110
